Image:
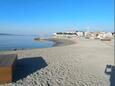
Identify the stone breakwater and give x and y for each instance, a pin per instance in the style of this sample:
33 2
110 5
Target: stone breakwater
81 64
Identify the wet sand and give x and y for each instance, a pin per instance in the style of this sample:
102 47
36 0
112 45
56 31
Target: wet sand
62 42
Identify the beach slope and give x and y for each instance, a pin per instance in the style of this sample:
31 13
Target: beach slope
80 64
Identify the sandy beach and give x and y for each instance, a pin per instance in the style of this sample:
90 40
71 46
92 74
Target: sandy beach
81 63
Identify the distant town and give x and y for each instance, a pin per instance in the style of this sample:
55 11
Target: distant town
87 35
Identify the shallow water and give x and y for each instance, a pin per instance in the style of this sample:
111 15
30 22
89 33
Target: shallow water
22 42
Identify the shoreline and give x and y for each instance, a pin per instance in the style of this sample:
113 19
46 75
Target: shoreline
57 43
81 63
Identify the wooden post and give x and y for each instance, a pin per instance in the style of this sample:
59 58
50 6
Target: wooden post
7 64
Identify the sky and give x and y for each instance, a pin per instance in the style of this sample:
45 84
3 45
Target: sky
49 16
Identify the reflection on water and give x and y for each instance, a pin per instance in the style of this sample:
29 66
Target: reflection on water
22 42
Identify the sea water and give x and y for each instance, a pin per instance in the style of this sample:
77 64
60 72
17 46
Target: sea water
22 42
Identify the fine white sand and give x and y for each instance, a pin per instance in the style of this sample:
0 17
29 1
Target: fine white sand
80 64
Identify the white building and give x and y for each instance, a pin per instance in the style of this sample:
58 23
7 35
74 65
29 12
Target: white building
80 34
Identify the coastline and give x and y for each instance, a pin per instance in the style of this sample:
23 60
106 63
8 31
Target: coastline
82 63
57 42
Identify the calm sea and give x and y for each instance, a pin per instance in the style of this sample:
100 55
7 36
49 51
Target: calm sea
22 42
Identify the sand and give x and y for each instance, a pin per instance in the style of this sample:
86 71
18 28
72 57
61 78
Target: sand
82 63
